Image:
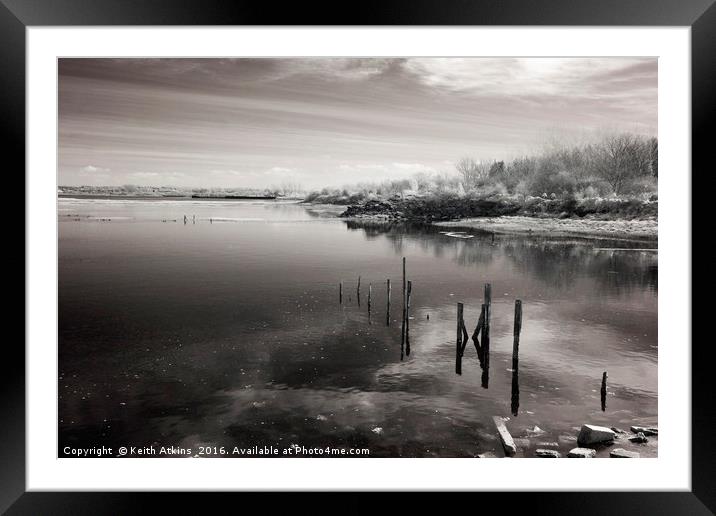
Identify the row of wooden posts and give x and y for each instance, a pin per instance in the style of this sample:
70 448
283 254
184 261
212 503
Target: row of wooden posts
406 295
480 336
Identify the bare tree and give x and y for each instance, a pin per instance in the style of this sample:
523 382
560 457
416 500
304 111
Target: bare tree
472 172
618 159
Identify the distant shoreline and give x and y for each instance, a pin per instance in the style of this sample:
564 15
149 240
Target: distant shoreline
175 197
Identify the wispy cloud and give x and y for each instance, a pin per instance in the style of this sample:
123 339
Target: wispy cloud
326 121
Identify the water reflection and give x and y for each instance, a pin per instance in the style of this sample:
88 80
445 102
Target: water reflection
230 333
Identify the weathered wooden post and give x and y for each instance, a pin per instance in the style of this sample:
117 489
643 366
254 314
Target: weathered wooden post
516 332
184 219
458 344
515 358
486 343
340 293
407 319
604 391
387 306
370 295
402 329
358 291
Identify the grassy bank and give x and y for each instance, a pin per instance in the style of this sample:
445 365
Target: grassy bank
433 208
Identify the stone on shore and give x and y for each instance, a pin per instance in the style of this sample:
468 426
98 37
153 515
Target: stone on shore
593 434
547 454
645 430
621 453
582 453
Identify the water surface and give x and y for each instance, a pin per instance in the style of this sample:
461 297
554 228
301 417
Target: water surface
228 331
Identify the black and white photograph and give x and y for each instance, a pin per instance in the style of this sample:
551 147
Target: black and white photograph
358 257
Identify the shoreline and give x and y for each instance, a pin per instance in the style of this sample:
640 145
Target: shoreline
642 230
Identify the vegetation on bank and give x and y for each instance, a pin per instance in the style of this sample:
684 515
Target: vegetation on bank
616 175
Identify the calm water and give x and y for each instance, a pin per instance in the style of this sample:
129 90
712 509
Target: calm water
228 332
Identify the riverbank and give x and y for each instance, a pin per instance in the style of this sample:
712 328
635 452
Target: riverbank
639 229
632 219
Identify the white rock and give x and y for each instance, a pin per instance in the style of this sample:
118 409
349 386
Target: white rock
582 453
621 453
593 434
644 430
547 454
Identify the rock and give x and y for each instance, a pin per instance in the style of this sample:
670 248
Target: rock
567 439
582 453
639 438
521 442
643 430
507 443
593 434
548 444
547 454
618 430
621 453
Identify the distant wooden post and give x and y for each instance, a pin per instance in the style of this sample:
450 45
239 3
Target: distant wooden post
184 219
387 307
370 294
458 344
340 293
407 319
193 219
604 391
358 291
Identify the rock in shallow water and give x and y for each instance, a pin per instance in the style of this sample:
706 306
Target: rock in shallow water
644 430
621 453
593 434
547 454
582 453
639 438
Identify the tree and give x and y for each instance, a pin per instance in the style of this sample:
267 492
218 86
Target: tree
472 172
618 159
654 156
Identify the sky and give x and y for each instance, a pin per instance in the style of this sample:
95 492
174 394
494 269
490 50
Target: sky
320 122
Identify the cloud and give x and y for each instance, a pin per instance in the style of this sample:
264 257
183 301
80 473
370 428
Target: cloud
91 169
501 77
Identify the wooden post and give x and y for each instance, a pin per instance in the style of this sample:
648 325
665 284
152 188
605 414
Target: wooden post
358 291
193 219
488 294
387 307
370 294
515 398
486 346
184 219
458 345
407 319
604 391
340 293
516 332
402 330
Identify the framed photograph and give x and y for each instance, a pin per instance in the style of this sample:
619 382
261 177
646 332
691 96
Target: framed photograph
420 248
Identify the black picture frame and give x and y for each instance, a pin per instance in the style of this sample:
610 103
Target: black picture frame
17 15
